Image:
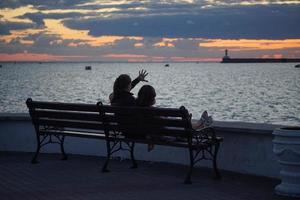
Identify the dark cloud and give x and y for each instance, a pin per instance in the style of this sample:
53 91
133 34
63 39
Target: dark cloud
82 4
38 18
254 22
120 6
3 30
187 44
44 4
5 27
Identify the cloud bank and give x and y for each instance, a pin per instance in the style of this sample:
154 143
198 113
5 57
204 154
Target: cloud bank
158 30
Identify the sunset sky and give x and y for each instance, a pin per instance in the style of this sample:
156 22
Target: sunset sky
149 30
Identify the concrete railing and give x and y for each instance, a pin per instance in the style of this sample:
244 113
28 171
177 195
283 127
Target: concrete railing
247 147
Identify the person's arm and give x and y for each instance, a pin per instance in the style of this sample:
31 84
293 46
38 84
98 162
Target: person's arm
141 77
135 82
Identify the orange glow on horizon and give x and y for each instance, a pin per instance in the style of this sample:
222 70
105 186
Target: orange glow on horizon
126 56
158 58
249 44
194 59
145 58
277 56
273 56
36 57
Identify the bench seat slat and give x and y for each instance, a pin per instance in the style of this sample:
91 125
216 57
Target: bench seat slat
167 142
154 121
168 131
74 133
143 141
70 124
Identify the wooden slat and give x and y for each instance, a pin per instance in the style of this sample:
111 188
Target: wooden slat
143 141
63 106
74 133
172 112
171 131
168 122
155 120
132 129
70 124
84 116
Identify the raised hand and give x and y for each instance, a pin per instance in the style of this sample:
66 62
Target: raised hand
142 75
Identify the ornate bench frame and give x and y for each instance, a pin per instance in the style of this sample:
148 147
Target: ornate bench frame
122 128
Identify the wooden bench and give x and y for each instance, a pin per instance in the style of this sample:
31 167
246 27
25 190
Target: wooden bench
122 128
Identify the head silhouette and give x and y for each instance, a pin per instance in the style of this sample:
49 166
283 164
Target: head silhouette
122 83
146 96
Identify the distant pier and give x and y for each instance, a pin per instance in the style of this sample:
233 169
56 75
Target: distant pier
227 59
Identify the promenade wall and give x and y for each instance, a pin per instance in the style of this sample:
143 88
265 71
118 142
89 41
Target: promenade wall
247 147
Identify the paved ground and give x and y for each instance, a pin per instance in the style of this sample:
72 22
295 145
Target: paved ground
80 178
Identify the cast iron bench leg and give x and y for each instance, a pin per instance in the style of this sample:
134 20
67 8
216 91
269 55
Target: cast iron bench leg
64 155
34 159
188 177
134 164
217 173
108 150
38 147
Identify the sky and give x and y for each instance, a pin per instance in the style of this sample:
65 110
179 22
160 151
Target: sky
148 30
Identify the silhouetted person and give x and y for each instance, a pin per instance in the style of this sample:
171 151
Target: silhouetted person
121 95
146 96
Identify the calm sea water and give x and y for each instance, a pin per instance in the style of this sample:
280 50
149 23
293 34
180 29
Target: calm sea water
264 93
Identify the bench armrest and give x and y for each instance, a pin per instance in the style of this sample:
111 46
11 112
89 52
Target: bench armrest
204 135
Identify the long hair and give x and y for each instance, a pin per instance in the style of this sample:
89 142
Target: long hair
121 83
146 96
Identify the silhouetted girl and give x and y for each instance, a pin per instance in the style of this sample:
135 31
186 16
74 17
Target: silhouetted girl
121 95
146 96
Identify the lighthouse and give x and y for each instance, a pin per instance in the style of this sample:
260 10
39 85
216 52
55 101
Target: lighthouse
226 58
226 54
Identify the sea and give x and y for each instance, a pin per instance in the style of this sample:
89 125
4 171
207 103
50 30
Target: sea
247 92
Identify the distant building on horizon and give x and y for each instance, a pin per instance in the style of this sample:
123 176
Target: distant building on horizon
227 59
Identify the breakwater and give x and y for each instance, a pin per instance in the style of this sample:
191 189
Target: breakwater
259 60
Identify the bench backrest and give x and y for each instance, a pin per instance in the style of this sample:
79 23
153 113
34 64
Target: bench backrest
65 115
138 121
145 121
